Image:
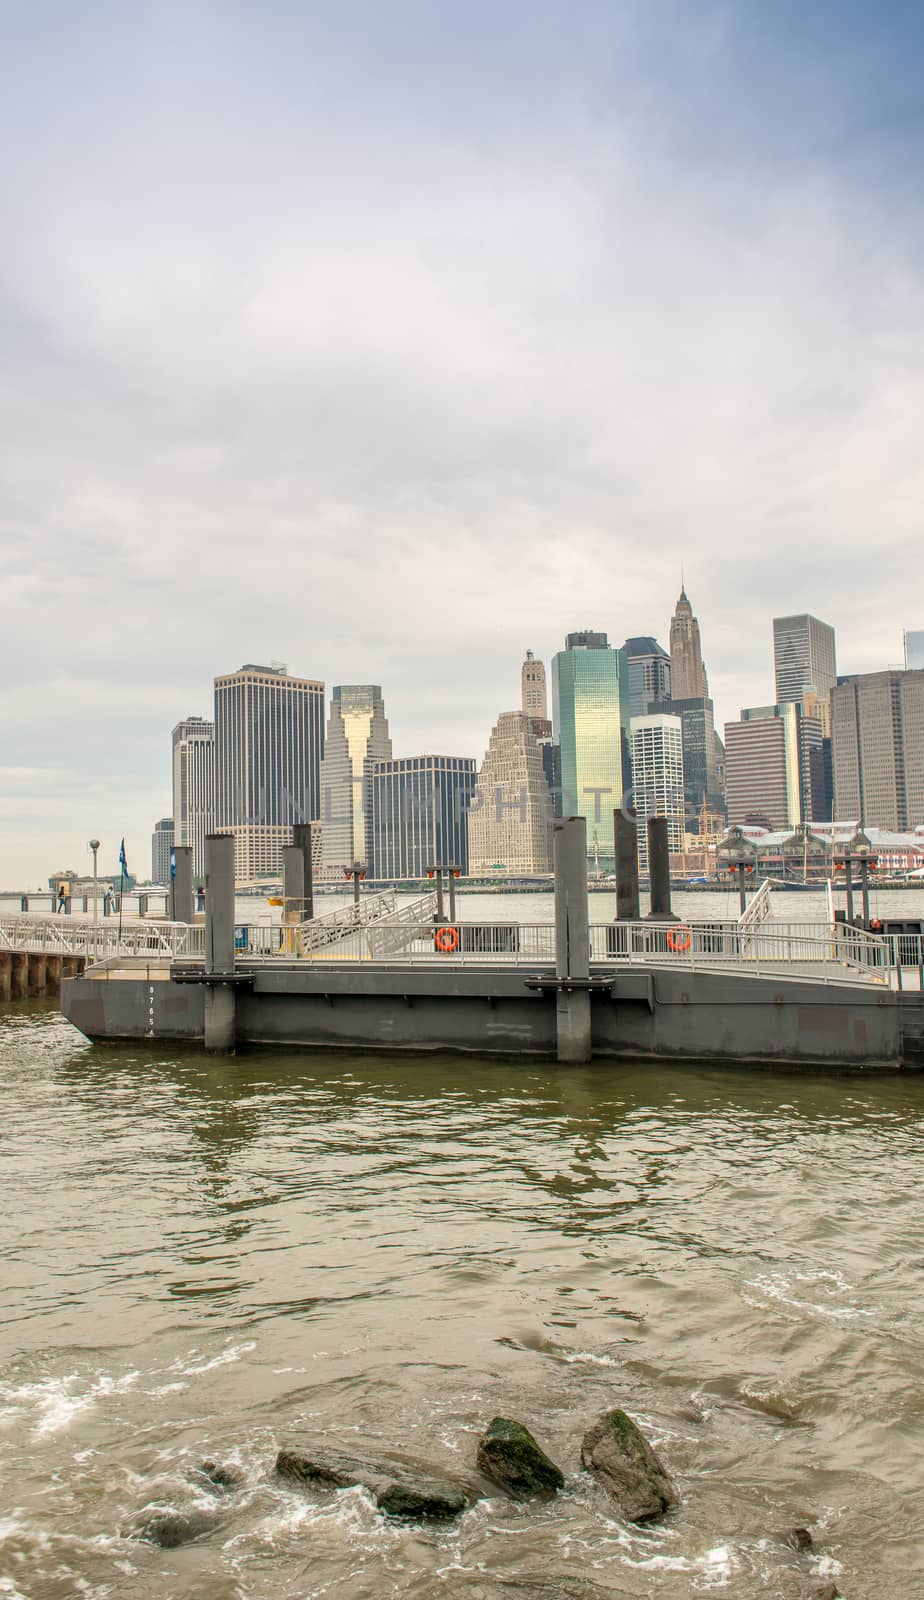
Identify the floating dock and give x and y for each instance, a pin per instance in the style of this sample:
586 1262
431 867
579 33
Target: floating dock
640 989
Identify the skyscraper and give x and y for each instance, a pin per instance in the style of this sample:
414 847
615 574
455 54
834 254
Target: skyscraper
703 754
510 816
773 775
914 650
194 786
417 815
657 778
877 736
534 701
649 673
357 732
688 672
161 847
269 742
591 721
803 657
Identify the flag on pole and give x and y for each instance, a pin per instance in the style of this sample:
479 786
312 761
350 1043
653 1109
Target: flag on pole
122 861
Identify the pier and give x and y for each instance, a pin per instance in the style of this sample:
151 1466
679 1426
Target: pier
403 978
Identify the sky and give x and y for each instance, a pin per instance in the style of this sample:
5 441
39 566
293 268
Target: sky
391 340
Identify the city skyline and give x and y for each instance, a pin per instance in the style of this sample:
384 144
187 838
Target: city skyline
616 294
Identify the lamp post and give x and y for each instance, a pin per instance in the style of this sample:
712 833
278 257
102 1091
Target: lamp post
94 846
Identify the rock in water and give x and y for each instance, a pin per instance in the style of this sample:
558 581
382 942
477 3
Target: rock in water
399 1491
169 1529
620 1456
421 1497
219 1476
510 1456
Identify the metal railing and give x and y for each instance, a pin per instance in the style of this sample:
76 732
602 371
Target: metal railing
60 936
758 909
333 931
817 952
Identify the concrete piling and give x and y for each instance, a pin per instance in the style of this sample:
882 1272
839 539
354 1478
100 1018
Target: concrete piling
19 975
53 965
6 975
625 832
659 871
38 973
572 940
219 943
301 836
181 886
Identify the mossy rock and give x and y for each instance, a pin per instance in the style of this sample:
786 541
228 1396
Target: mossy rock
509 1455
400 1492
418 1498
617 1453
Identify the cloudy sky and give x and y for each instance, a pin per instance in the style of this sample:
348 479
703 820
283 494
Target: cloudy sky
387 339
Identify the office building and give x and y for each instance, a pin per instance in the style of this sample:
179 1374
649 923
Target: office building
510 816
914 650
269 743
803 657
357 732
649 674
657 778
688 671
161 850
417 815
591 728
703 758
533 701
772 771
194 787
877 738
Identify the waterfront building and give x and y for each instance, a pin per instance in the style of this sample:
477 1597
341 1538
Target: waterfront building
194 786
688 670
803 657
357 732
161 851
417 815
591 726
534 700
649 674
510 815
914 650
772 773
269 743
657 778
877 737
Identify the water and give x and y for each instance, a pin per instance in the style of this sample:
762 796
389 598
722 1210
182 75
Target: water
203 1259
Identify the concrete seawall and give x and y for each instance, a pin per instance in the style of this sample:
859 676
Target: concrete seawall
657 1013
32 974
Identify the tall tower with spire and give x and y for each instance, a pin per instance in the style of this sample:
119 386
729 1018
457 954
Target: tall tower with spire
703 752
533 701
688 673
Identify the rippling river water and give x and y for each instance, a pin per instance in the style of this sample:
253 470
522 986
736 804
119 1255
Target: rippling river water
202 1259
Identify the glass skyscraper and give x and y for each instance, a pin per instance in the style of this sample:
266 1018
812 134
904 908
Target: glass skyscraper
357 731
194 786
590 713
417 815
269 741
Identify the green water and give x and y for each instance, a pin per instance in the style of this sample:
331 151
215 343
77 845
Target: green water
206 1259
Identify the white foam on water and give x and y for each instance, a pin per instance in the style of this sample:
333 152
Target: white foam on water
8 1587
571 1356
56 1401
224 1358
794 1290
352 1512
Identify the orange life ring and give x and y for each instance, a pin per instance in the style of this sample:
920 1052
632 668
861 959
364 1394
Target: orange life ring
678 940
446 940
875 925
